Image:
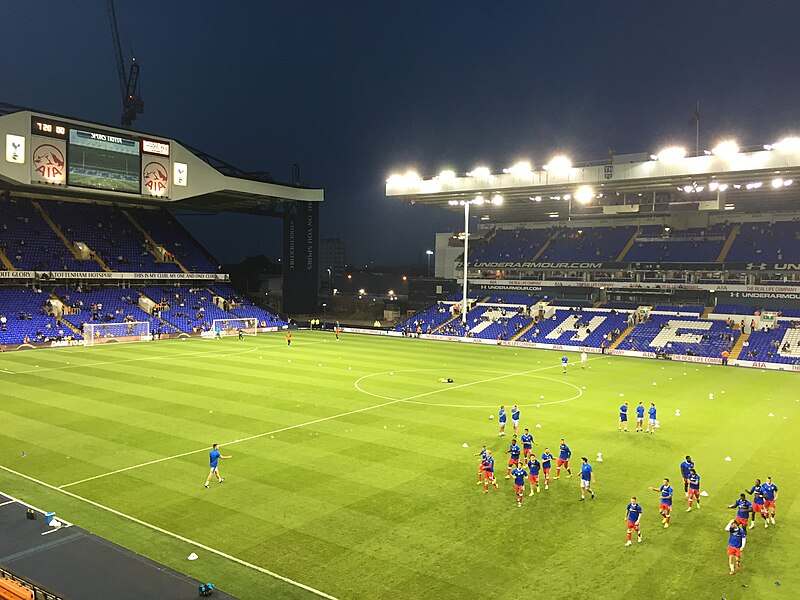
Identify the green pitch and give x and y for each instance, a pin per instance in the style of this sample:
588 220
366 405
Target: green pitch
350 474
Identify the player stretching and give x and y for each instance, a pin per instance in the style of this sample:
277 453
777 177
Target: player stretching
502 420
736 543
564 361
623 417
770 492
583 360
519 483
640 417
743 508
288 338
634 512
533 472
563 459
694 489
686 466
758 504
665 506
587 477
488 472
214 457
651 421
515 419
483 455
513 461
527 444
546 458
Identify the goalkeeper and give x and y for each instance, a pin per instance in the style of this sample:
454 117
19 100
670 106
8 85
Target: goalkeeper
241 333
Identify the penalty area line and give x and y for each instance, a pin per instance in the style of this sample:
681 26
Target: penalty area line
172 534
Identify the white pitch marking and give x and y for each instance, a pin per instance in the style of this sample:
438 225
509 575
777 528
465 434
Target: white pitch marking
173 535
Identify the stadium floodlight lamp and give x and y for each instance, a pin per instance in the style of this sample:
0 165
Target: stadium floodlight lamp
754 185
362 291
478 200
483 172
567 197
395 179
535 198
429 252
497 199
667 229
672 153
788 144
411 178
730 206
553 215
726 148
584 194
559 165
722 187
391 292
688 189
788 182
447 175
523 167
699 188
713 186
777 183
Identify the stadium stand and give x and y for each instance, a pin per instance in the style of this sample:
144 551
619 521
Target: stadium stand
778 345
590 244
679 308
510 244
577 328
654 243
25 317
767 242
683 335
110 305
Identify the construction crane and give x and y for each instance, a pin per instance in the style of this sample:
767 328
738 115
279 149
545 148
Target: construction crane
132 103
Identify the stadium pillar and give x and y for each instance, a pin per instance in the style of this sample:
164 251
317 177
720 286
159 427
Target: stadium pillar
301 258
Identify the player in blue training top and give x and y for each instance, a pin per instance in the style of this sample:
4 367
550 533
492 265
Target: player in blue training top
501 419
736 542
527 444
488 472
513 461
587 477
758 504
686 466
623 417
634 511
770 492
483 455
515 418
533 473
640 417
743 508
665 505
563 459
564 361
213 458
651 420
546 458
519 483
694 489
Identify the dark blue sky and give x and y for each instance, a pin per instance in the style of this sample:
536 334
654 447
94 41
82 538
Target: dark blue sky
353 91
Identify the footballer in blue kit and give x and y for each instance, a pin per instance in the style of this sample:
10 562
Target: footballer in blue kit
213 458
564 361
513 461
563 459
527 444
640 417
770 492
694 489
587 476
519 483
758 504
501 419
665 504
736 542
546 458
633 512
483 455
623 417
488 472
651 419
686 466
743 508
515 418
533 473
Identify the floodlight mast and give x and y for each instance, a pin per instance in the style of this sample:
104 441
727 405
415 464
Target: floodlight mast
132 103
466 262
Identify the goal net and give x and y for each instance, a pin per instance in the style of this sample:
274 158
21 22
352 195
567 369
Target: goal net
103 333
232 326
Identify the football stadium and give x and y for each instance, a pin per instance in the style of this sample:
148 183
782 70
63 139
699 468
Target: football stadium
588 387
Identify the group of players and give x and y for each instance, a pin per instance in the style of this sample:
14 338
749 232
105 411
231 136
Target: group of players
522 458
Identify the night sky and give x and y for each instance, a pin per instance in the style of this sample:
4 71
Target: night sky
353 91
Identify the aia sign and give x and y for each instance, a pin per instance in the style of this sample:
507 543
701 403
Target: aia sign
155 179
48 161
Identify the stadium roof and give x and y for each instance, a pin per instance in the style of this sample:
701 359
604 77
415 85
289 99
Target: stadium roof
210 184
748 179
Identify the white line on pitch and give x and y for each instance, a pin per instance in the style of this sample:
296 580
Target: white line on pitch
299 425
172 534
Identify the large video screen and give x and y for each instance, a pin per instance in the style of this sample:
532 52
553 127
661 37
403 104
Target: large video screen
104 161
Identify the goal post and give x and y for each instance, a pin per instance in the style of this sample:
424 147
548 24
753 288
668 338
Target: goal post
248 326
127 331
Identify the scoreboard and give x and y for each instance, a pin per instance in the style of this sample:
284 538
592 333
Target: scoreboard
74 156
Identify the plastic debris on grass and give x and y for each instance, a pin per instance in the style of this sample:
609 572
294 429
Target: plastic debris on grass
193 556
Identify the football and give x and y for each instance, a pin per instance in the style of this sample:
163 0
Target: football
491 416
